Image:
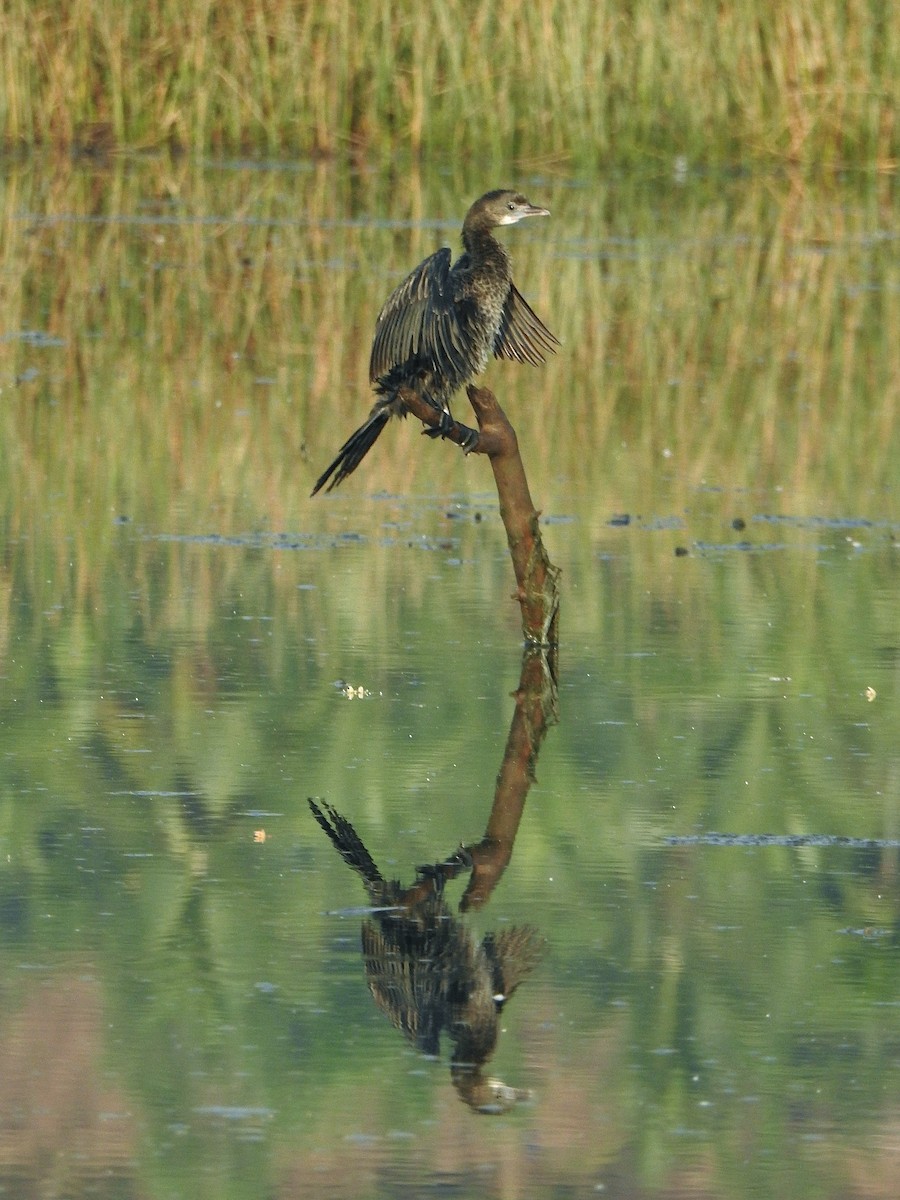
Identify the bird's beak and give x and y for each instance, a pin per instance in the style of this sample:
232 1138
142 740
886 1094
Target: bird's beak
533 211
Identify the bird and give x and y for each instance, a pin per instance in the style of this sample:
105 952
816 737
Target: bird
427 971
437 331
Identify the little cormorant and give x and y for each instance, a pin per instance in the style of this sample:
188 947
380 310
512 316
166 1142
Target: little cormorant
438 329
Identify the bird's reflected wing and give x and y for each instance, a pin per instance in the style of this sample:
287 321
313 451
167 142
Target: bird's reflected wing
523 336
420 321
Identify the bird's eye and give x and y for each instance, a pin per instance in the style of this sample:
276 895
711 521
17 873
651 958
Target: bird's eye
511 205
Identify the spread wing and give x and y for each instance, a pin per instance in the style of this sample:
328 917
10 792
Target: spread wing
419 320
523 336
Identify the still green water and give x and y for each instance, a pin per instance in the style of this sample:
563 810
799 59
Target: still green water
711 850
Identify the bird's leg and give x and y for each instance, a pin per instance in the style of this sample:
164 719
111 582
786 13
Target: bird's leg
449 427
443 426
465 437
438 873
438 421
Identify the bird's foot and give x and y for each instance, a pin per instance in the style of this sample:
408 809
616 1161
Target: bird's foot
438 873
443 426
465 438
471 440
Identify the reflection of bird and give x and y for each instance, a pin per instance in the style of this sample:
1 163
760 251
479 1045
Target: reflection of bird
438 329
429 974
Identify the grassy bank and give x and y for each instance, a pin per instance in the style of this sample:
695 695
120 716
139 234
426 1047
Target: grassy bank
552 82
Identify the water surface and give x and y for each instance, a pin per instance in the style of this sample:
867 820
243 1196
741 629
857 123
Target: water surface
190 648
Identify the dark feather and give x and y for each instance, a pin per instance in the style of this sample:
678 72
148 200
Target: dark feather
354 450
523 336
421 322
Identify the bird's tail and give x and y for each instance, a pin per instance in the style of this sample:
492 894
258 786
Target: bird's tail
346 841
355 449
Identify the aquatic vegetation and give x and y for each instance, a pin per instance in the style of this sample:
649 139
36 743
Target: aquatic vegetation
550 82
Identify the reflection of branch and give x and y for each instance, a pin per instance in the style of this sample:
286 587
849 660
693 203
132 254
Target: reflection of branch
537 579
536 710
424 967
429 974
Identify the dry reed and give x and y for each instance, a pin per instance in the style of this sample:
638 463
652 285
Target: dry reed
573 82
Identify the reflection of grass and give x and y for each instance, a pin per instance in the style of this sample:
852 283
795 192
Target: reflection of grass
198 374
735 335
549 81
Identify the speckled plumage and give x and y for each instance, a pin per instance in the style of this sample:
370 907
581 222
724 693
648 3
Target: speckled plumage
437 331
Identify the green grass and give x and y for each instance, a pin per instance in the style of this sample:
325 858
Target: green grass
552 82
